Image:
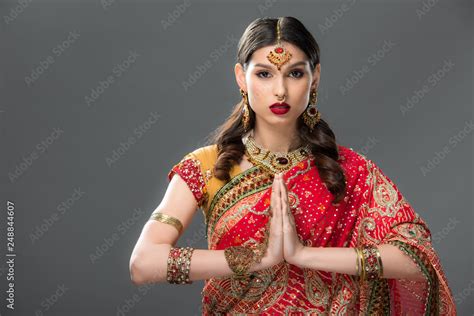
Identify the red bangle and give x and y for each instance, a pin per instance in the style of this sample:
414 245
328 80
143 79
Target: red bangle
179 264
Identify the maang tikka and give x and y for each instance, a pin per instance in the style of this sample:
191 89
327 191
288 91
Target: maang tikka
279 55
312 116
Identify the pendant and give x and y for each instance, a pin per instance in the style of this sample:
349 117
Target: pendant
282 160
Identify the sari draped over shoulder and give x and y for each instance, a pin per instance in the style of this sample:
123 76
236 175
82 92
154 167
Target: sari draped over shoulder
373 211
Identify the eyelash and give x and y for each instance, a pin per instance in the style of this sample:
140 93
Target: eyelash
261 72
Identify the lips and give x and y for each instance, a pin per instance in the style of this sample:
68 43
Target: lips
280 108
280 105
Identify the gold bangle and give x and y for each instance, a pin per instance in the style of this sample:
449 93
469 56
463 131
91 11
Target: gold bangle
379 260
362 264
357 261
167 219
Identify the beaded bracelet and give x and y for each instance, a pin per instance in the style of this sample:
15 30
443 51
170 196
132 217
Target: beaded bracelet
179 263
373 263
369 262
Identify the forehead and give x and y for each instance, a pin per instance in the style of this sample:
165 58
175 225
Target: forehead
260 55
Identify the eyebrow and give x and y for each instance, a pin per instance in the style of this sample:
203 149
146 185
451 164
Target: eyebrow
290 66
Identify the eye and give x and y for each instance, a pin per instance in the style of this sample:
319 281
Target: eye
298 73
294 73
262 72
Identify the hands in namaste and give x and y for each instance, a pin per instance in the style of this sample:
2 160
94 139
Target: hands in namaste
283 242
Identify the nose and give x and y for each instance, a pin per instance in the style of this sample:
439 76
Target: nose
280 88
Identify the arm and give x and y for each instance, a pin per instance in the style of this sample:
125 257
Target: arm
343 260
148 263
395 263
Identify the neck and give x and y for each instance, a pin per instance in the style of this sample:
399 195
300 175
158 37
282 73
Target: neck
277 138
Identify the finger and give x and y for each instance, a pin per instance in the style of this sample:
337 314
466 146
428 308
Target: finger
285 219
273 197
277 205
283 186
283 208
283 195
278 194
280 207
275 224
291 219
288 215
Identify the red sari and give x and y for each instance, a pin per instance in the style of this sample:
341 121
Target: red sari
373 211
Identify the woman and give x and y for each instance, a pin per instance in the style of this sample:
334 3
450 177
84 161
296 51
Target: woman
296 223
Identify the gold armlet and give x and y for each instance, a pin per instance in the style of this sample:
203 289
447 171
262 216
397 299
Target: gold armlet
167 219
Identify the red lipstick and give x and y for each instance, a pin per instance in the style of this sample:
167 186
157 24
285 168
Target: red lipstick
280 108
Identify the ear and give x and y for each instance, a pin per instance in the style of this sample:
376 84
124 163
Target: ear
316 76
240 76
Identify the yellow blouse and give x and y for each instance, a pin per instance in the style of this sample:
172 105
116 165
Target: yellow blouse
203 184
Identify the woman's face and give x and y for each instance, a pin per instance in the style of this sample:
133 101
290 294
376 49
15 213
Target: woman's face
266 85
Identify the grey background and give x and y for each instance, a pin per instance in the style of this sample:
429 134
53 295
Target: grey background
367 118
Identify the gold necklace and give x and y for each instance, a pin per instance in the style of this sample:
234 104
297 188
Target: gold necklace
274 162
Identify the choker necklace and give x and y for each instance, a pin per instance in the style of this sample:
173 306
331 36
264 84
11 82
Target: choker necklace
274 162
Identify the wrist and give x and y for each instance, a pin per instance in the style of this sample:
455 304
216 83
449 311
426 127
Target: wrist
299 258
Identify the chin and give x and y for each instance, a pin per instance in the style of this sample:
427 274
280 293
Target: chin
283 120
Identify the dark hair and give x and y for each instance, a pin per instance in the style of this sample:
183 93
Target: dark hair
228 137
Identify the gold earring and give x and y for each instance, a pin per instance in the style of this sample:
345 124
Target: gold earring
312 116
245 111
